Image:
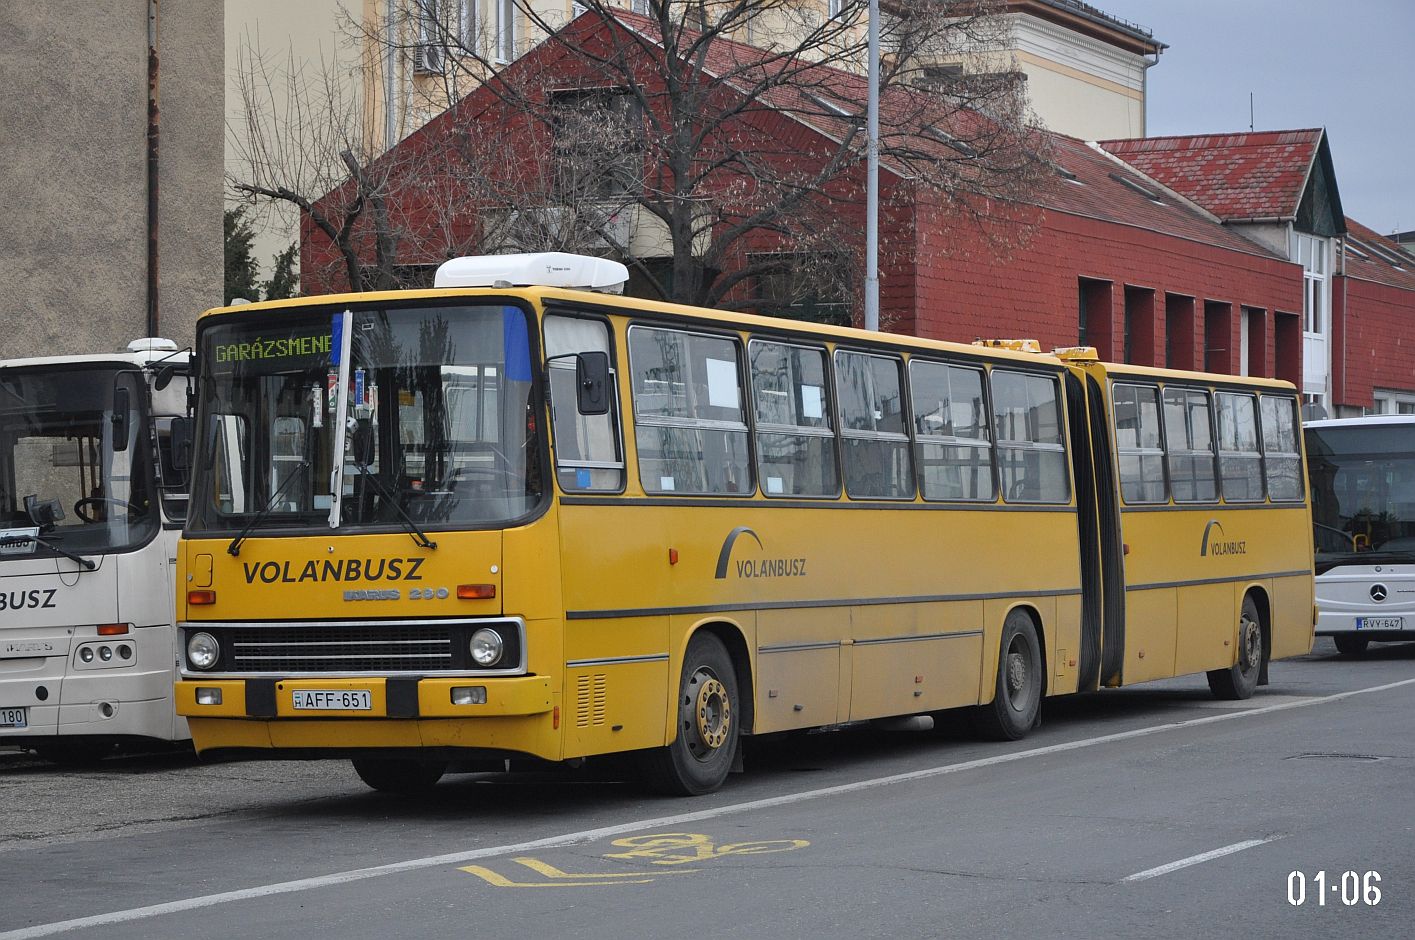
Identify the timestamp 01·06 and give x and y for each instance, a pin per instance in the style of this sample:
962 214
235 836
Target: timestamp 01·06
1351 887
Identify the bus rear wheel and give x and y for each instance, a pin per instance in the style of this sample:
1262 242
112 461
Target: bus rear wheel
1017 700
391 775
1349 645
1241 679
702 752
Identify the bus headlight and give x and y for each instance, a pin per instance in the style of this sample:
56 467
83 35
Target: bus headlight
487 647
202 650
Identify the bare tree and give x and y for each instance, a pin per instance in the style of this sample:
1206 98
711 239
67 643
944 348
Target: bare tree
694 94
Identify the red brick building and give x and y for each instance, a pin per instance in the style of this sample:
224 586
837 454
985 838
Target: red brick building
1226 253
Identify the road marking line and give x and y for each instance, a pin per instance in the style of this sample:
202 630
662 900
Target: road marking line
663 822
1197 859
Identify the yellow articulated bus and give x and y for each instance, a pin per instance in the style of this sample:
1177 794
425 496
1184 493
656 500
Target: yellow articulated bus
515 518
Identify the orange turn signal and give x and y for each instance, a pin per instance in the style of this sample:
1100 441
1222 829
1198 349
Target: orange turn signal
475 592
112 629
201 598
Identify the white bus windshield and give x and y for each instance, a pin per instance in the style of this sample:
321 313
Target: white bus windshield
1363 488
438 430
62 445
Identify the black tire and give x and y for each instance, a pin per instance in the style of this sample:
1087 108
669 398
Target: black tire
1017 698
1241 679
390 775
1350 645
702 753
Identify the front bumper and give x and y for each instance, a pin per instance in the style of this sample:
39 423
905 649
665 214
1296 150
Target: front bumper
257 717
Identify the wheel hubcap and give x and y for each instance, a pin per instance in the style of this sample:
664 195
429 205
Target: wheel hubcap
1250 644
1018 677
712 712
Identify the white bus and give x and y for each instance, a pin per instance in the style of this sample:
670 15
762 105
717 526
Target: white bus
1362 473
91 505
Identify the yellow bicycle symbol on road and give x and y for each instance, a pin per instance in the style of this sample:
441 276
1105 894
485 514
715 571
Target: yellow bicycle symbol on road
679 848
664 848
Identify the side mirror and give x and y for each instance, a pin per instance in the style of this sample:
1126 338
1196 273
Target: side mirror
592 383
121 406
45 513
165 374
181 443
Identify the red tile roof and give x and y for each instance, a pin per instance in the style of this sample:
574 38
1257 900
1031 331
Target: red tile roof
1374 257
1108 190
1237 177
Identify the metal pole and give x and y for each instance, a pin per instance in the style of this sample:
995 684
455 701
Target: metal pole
152 140
872 186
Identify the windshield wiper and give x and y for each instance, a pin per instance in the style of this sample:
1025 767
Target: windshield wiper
419 537
235 547
88 565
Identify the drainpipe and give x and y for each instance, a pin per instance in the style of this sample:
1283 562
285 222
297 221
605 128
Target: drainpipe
153 116
390 78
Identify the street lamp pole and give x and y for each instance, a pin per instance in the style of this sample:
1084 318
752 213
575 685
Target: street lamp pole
872 177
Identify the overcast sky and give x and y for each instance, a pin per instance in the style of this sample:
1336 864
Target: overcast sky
1345 66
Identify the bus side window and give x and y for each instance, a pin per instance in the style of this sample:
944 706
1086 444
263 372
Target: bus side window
588 455
871 396
690 418
951 427
1138 444
1281 456
1031 455
1189 442
1240 462
795 440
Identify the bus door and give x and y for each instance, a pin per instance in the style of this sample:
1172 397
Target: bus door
1102 550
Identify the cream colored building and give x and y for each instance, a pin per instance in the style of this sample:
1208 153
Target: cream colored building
1085 70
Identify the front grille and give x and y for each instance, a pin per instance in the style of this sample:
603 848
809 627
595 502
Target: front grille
387 648
378 647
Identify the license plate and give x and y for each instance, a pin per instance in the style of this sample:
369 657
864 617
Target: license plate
1380 623
13 718
333 700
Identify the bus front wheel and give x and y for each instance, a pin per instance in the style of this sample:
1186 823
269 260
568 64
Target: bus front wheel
397 776
1241 679
1017 700
702 751
1348 645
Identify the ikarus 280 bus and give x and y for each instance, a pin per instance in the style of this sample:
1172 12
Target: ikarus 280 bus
510 519
90 506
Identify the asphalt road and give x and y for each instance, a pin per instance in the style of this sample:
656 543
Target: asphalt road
1146 812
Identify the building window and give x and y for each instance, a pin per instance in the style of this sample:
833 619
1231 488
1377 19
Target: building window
597 144
505 30
802 288
427 56
1312 255
1093 315
1391 402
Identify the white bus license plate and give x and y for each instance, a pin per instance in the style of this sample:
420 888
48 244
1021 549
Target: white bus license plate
13 718
334 700
1380 623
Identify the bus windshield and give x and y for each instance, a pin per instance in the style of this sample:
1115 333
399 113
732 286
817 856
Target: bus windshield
58 429
1363 488
439 425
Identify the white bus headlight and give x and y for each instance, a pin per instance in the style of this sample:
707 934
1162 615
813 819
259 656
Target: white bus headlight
487 647
202 650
